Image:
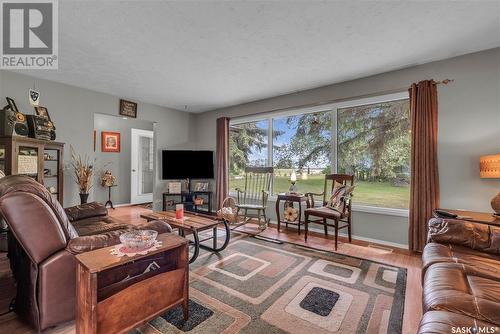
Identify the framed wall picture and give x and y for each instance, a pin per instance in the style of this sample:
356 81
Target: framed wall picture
128 108
110 142
42 111
12 104
201 186
174 187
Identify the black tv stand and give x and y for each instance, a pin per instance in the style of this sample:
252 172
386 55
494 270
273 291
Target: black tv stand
188 199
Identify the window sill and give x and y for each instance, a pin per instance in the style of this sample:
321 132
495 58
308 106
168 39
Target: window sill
357 208
380 211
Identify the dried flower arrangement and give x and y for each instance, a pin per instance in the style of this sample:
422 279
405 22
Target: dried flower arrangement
83 171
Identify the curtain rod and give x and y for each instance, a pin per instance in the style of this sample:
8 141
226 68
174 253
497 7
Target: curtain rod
444 82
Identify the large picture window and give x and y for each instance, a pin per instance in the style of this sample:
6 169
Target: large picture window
369 138
374 145
248 146
302 143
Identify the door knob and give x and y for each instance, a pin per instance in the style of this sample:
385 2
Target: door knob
133 170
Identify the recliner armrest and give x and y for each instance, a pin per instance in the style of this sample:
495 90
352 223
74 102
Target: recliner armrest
84 211
92 242
476 236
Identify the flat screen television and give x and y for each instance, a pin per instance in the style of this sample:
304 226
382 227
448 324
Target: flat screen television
177 165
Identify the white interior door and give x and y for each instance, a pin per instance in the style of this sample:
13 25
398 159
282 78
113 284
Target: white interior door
142 163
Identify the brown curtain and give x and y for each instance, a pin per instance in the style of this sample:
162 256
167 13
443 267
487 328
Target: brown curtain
222 163
424 197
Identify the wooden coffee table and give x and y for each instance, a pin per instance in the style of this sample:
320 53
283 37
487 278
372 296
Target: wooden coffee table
194 223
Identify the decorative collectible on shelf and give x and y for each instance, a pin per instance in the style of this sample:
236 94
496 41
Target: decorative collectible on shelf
38 126
174 187
201 186
12 122
108 179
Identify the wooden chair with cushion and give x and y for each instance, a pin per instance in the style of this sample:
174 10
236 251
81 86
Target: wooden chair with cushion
252 201
326 212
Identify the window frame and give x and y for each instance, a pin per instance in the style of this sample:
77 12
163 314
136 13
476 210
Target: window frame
333 108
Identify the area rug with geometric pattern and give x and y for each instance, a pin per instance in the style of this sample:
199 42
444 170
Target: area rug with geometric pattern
259 286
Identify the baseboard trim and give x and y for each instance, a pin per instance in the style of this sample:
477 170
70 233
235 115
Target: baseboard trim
357 237
122 205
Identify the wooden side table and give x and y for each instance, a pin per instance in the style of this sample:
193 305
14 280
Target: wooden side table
476 217
117 294
289 199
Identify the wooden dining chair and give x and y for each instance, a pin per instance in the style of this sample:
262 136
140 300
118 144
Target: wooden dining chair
252 200
325 213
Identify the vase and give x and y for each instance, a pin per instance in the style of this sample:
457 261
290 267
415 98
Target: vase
83 198
495 204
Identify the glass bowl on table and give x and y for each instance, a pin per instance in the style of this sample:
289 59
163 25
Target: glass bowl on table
138 240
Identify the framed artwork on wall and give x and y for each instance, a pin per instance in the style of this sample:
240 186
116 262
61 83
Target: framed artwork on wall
110 142
201 186
128 108
174 187
12 104
42 112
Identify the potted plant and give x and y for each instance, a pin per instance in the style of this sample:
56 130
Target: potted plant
83 174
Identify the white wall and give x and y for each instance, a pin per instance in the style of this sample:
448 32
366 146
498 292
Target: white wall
469 126
72 110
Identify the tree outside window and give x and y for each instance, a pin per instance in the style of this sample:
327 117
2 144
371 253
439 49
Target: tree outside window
302 143
373 143
248 147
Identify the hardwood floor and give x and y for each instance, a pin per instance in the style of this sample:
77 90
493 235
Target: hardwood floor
9 323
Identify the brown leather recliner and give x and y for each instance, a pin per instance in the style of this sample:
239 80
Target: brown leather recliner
43 243
461 277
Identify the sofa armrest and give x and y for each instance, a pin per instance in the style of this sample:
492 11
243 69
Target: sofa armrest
85 211
476 236
92 242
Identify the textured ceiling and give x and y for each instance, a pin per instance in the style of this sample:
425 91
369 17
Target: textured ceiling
198 56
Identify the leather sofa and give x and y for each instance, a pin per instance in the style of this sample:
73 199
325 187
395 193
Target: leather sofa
461 278
43 241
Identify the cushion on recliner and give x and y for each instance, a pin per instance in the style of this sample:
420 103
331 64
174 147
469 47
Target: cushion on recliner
438 253
443 322
462 289
86 210
480 237
97 225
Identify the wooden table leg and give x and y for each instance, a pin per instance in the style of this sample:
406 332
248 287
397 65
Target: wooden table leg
306 227
215 237
300 213
226 241
86 306
336 232
196 246
278 213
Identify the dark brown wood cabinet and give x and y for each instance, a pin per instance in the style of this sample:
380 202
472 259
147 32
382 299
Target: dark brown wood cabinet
117 294
39 159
